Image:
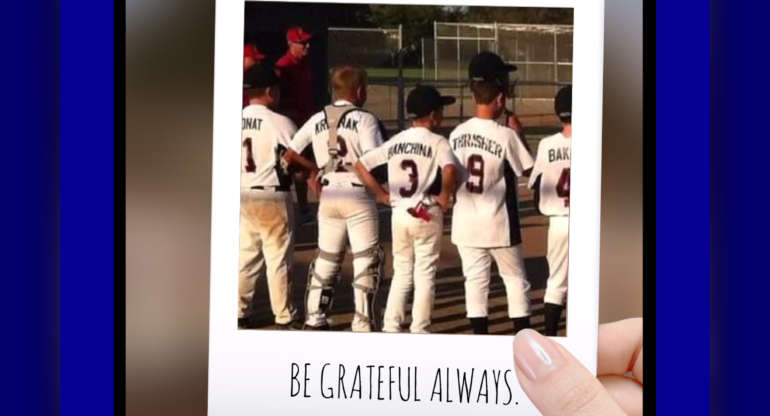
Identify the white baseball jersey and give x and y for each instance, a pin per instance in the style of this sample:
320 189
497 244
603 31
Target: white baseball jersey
491 156
265 136
359 131
551 175
414 158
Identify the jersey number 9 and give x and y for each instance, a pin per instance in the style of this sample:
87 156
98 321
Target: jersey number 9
475 168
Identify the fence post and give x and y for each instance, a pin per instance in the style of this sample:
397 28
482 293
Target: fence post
457 25
400 84
422 56
435 51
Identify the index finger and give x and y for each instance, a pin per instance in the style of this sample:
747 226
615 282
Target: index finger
620 348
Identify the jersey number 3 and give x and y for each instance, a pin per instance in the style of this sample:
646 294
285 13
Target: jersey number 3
562 187
409 165
250 165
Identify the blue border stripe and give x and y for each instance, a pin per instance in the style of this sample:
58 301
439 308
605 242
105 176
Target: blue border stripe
87 210
682 199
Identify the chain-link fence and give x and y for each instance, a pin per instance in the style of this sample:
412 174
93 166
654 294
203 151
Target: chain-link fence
542 53
369 47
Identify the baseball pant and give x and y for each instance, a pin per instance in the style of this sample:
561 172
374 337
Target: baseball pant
416 247
558 260
345 214
266 245
477 263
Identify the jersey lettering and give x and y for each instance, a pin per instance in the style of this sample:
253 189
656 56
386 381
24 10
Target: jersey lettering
475 169
407 164
562 186
250 165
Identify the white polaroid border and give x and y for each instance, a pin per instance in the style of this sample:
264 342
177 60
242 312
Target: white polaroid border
250 370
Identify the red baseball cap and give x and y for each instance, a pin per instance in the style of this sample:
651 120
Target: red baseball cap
251 50
297 34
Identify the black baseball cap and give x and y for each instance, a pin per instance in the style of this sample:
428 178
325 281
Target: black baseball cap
488 66
260 76
424 99
562 104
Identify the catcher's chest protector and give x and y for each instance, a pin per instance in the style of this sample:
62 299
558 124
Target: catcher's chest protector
334 114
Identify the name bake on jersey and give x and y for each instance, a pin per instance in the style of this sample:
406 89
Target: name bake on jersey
550 178
493 156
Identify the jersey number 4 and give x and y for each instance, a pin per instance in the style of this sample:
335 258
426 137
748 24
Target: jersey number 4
250 165
562 187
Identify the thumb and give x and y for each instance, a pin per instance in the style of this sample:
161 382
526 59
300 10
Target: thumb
555 381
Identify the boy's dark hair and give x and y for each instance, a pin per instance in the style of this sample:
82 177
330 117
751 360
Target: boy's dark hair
484 92
256 92
562 104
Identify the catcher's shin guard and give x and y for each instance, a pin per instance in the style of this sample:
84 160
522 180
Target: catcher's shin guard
368 281
319 295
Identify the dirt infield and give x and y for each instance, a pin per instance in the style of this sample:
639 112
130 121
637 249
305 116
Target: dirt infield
449 308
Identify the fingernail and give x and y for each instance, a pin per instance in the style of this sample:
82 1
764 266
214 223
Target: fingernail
535 355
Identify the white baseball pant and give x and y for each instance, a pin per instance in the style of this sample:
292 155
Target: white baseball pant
477 263
266 245
416 247
558 260
346 213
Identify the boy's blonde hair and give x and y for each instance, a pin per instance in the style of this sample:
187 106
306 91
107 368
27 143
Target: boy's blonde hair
346 80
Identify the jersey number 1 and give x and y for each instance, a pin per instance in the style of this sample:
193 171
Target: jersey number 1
562 187
250 165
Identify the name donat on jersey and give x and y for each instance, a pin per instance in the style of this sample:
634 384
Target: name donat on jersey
384 225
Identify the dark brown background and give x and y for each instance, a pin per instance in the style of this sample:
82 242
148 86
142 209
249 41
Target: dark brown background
169 92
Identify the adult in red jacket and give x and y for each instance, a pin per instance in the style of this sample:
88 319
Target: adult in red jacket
297 98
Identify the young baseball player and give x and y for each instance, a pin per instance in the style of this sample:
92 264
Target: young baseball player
485 222
550 181
266 234
339 135
421 178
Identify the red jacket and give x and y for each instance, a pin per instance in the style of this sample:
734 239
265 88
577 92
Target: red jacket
297 98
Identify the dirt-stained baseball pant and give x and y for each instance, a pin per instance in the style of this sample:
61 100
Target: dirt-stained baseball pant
416 247
266 245
345 213
558 260
476 269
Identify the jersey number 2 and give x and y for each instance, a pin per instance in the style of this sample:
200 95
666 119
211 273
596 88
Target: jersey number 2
562 187
409 165
250 165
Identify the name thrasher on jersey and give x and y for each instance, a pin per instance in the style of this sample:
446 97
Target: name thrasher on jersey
550 177
491 157
358 132
265 136
413 159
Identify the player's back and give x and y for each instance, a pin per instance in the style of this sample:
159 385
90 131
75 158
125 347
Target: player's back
414 158
551 175
265 136
358 132
491 157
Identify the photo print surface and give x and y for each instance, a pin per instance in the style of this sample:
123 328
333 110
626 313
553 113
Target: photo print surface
456 219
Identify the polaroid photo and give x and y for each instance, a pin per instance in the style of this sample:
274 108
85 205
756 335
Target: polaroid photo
394 199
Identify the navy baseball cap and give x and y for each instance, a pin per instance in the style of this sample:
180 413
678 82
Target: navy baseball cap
488 66
260 76
562 104
424 99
